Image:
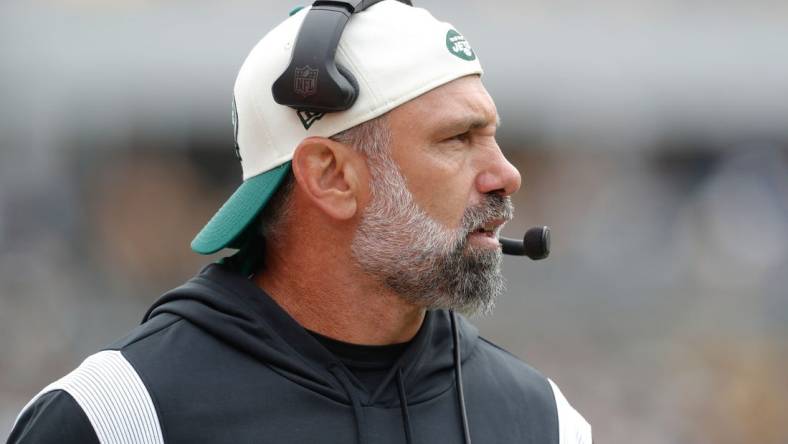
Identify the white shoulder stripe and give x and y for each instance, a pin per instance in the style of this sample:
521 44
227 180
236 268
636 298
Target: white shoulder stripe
114 399
572 427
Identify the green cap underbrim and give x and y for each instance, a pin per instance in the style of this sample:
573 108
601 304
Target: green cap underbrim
227 226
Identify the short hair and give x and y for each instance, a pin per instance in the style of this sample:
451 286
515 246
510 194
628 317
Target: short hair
371 138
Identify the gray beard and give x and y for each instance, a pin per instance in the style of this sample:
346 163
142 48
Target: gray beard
421 260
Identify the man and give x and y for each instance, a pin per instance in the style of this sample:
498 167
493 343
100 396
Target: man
359 232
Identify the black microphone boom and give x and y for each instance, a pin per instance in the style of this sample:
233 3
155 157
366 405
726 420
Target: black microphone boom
535 244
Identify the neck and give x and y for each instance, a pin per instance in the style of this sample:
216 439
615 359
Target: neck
340 302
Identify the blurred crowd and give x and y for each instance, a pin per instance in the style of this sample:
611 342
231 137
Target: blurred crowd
662 311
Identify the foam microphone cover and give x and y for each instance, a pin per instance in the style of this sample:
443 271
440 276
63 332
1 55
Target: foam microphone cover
536 243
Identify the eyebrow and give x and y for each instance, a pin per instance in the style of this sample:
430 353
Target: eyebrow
470 123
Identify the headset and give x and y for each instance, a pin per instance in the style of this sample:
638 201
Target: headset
313 57
333 88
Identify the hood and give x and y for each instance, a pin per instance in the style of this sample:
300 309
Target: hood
226 305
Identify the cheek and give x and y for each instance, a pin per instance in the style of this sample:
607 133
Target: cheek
441 181
443 193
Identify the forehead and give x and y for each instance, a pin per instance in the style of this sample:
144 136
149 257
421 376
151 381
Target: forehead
461 100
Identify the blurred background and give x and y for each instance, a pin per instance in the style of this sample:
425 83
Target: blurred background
652 136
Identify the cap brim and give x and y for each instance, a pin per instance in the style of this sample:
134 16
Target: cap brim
229 223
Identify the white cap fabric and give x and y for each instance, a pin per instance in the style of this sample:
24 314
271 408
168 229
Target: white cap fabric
395 51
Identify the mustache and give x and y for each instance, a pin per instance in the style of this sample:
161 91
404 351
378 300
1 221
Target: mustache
493 207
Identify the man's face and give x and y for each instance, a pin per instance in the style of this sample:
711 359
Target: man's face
444 143
439 200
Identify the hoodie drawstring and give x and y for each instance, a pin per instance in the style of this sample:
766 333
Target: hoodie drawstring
403 404
455 333
358 412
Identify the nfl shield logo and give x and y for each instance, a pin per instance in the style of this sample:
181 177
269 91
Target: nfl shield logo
305 81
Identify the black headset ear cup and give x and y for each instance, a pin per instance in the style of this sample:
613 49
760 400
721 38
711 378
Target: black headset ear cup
350 78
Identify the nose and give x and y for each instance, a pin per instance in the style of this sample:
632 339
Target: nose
498 175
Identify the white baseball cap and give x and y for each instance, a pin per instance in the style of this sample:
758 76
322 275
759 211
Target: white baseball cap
395 52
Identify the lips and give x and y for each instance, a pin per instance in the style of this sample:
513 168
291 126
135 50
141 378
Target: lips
483 222
490 228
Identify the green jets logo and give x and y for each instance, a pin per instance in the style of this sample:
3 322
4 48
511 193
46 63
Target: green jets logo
458 46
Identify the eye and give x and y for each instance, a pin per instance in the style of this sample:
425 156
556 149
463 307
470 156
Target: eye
463 137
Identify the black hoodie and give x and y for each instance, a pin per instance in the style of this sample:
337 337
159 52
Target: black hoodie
218 361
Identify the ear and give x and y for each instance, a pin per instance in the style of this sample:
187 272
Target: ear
328 173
